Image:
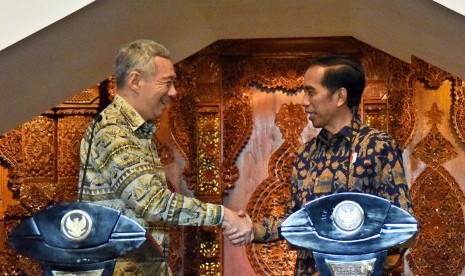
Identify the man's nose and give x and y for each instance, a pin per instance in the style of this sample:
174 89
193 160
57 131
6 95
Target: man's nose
172 92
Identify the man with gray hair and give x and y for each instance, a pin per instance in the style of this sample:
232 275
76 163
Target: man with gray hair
125 172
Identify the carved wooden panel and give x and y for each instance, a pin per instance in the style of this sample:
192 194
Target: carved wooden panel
209 154
458 110
387 102
435 149
237 115
237 126
437 196
70 129
272 195
196 124
374 106
182 118
438 202
38 145
42 160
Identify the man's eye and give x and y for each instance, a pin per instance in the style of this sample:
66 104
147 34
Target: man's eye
309 91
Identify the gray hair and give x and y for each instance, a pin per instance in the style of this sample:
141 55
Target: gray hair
138 56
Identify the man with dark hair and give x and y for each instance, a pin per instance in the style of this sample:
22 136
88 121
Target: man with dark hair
125 172
345 156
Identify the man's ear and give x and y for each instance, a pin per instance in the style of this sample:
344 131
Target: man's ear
341 95
134 79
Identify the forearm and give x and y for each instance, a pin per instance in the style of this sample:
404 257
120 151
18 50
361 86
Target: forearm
157 203
266 230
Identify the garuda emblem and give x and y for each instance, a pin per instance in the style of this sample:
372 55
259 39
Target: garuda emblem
348 215
76 225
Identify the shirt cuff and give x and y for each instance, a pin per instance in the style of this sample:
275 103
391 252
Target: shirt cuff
215 214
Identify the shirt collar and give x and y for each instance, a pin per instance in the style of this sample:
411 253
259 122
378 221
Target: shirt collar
344 132
132 117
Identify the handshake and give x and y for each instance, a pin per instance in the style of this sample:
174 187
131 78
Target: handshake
238 227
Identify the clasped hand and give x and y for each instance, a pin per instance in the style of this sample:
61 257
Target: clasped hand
238 227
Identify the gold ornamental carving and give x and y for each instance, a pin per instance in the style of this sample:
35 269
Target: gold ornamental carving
432 77
437 197
273 194
237 127
38 144
392 112
438 202
290 82
434 149
71 129
239 76
182 119
208 131
458 110
374 105
195 123
387 102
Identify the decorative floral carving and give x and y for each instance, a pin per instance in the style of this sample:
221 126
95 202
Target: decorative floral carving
84 97
38 145
394 111
438 203
437 197
71 130
208 131
432 77
434 149
237 115
434 116
182 119
458 110
40 155
291 82
402 111
176 252
237 127
273 193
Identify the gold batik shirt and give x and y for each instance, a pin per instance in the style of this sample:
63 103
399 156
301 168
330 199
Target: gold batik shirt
320 169
125 173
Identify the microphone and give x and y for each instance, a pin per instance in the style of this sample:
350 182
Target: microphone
97 119
351 141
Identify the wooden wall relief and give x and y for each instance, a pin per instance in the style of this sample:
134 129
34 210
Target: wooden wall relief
438 202
387 103
182 118
402 111
458 110
42 160
436 193
374 109
239 74
272 195
208 130
196 125
237 126
71 129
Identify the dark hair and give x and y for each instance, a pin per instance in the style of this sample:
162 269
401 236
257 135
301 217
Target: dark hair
341 71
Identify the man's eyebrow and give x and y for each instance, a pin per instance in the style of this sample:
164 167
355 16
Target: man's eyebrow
170 77
307 87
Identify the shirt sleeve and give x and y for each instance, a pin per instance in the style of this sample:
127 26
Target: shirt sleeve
137 177
392 184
